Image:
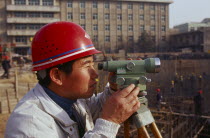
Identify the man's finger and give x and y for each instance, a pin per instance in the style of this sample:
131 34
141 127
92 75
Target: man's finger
133 95
123 93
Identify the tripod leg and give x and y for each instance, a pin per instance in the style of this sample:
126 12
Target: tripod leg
155 130
126 129
142 132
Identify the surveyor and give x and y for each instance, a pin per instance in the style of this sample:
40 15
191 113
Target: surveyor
62 104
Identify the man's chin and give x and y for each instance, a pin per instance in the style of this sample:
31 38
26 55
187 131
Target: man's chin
88 94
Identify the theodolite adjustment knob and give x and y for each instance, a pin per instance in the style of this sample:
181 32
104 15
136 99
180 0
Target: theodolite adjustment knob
120 81
144 80
130 66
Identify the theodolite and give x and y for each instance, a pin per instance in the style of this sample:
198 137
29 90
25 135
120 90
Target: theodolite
134 72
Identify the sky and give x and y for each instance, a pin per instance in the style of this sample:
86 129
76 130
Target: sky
182 11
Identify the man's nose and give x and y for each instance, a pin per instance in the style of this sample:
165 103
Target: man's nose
94 73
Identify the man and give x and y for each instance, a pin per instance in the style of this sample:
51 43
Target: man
198 102
6 66
62 103
158 98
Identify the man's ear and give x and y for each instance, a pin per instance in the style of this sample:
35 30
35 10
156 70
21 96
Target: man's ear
56 76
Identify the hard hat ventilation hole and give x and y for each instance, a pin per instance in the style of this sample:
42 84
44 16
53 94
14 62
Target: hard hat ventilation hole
56 49
52 44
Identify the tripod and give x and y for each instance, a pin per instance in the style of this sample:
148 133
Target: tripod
142 118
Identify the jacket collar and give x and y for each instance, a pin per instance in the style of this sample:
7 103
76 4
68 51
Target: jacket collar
51 107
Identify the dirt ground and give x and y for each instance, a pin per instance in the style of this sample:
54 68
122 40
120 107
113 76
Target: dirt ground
3 121
24 76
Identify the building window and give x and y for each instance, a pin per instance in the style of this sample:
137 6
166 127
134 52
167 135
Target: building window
130 38
106 5
20 14
83 26
95 27
141 6
82 15
34 14
69 4
142 28
119 38
35 26
163 18
130 28
153 38
106 16
33 2
152 7
21 39
152 28
20 2
163 28
119 16
152 17
47 15
107 27
163 38
163 8
119 5
95 4
95 38
95 16
82 4
130 6
69 15
141 17
119 27
47 2
130 16
20 26
107 38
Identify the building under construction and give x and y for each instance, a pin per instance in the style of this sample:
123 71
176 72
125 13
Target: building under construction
179 115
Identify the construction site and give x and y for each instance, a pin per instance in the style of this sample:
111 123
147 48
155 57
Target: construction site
176 115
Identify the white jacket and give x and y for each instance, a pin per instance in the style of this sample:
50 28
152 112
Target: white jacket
38 116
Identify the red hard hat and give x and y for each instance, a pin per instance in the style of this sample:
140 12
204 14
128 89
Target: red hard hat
60 42
200 91
157 90
5 57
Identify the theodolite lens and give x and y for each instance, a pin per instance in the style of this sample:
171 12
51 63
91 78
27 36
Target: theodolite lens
100 66
157 65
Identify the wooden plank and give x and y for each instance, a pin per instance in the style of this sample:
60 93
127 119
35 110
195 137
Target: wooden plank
16 84
8 101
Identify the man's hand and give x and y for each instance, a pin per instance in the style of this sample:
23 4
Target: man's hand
121 105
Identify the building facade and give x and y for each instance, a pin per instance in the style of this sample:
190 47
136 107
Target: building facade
112 24
193 41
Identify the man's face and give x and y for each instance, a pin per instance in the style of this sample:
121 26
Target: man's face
81 82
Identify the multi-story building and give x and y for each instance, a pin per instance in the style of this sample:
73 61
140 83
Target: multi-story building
192 41
192 26
110 23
